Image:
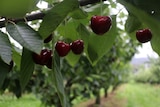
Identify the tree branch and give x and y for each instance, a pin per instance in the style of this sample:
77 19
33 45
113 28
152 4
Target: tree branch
87 2
40 15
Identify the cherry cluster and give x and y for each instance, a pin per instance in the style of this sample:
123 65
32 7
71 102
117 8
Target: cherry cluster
99 25
64 48
45 57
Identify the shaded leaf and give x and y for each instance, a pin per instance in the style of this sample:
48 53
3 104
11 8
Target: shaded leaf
58 80
56 15
5 48
150 7
149 21
26 36
4 69
27 67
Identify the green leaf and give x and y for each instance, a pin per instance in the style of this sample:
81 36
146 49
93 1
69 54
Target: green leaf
56 15
68 31
79 14
132 23
27 67
96 9
150 7
100 45
149 21
58 80
26 36
84 34
4 69
72 59
5 48
17 58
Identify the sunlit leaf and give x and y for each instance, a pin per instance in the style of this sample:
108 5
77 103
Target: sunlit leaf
79 14
72 59
17 58
56 15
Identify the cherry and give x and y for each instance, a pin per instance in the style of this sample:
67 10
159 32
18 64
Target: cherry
100 24
62 48
43 58
48 39
77 46
49 63
144 35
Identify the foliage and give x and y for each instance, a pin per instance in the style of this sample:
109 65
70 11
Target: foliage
9 100
67 20
149 74
136 94
111 70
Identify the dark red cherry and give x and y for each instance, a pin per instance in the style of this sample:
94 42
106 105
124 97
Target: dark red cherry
100 24
43 58
36 58
62 48
144 35
77 46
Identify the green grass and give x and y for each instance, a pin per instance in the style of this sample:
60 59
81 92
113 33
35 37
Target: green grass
26 101
140 95
127 95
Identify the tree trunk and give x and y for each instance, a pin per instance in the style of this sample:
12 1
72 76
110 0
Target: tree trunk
106 93
98 98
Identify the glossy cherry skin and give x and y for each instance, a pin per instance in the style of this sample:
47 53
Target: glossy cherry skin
43 58
62 48
100 24
144 35
77 46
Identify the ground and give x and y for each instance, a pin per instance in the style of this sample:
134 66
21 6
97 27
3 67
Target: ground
111 101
